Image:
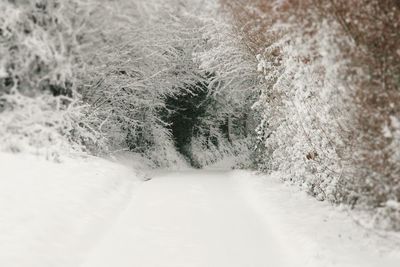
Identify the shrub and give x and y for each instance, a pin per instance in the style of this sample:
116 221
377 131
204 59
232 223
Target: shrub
40 110
329 118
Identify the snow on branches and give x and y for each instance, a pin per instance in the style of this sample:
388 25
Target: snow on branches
329 118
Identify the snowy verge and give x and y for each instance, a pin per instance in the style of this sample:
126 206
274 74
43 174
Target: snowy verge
315 233
52 213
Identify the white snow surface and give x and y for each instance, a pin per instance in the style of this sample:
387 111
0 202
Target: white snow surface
52 213
192 218
95 213
234 218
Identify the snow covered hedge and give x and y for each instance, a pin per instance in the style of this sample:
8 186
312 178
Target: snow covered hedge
330 122
40 109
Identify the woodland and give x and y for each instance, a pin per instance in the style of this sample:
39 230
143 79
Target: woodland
308 90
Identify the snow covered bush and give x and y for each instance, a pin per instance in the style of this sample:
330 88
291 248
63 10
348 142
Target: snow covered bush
305 112
227 125
375 64
45 125
40 111
205 152
38 46
329 118
137 55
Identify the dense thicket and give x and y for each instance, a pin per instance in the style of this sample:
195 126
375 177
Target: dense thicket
330 102
101 75
39 65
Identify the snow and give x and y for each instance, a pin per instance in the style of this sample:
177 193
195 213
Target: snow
234 218
316 233
51 213
192 218
93 212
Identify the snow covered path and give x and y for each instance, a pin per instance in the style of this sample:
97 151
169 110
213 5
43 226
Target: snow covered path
234 219
193 218
96 213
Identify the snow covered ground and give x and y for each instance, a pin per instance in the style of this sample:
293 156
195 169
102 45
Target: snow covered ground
192 218
316 233
234 218
51 213
94 213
